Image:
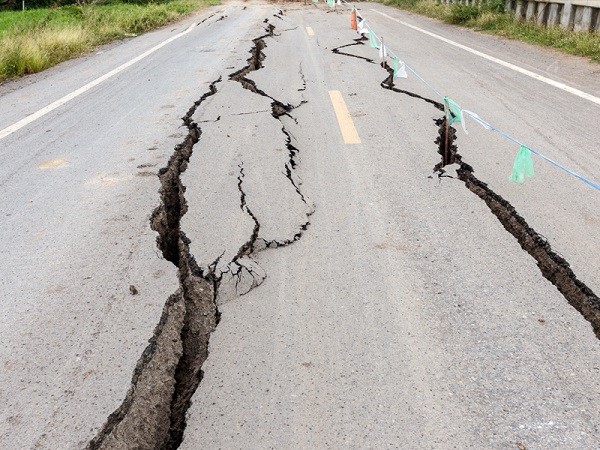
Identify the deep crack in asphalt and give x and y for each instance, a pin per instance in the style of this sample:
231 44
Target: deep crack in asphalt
152 415
552 266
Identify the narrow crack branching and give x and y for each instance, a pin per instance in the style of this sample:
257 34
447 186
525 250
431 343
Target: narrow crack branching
388 84
358 41
210 120
302 77
278 110
286 29
206 18
552 266
251 112
243 270
248 247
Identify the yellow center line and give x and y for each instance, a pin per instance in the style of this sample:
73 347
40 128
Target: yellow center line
52 164
310 31
347 127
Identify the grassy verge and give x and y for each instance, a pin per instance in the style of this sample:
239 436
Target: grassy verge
492 19
34 40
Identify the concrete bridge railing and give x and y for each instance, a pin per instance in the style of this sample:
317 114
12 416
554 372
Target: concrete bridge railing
577 15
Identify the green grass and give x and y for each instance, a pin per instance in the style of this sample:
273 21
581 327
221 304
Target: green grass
33 40
491 19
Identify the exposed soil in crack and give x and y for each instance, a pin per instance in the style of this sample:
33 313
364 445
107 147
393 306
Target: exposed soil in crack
167 374
143 419
198 288
552 266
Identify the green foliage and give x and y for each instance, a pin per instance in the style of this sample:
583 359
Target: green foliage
461 14
36 4
404 3
494 6
33 40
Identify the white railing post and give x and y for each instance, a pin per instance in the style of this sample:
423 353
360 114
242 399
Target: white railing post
553 15
583 18
519 9
567 16
542 13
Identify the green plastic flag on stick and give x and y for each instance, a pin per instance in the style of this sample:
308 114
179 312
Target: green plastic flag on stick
523 166
454 113
315 1
373 40
454 109
331 3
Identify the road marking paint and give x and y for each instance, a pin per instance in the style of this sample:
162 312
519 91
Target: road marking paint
52 164
310 31
58 103
347 127
501 62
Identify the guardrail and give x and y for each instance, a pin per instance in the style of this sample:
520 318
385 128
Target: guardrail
577 15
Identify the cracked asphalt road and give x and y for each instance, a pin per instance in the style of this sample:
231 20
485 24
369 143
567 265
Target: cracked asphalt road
351 297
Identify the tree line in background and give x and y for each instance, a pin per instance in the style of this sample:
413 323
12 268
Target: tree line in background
30 4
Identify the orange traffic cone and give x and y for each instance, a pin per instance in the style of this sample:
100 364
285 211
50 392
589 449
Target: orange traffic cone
353 20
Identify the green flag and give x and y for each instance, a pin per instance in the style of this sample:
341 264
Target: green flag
373 40
523 166
456 112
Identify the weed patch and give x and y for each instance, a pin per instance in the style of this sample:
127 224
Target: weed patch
34 40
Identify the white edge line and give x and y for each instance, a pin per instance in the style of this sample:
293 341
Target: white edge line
61 101
541 78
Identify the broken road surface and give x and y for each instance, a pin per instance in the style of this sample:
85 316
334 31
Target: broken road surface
194 257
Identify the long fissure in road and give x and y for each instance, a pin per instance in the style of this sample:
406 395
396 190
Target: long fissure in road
552 266
153 413
168 372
